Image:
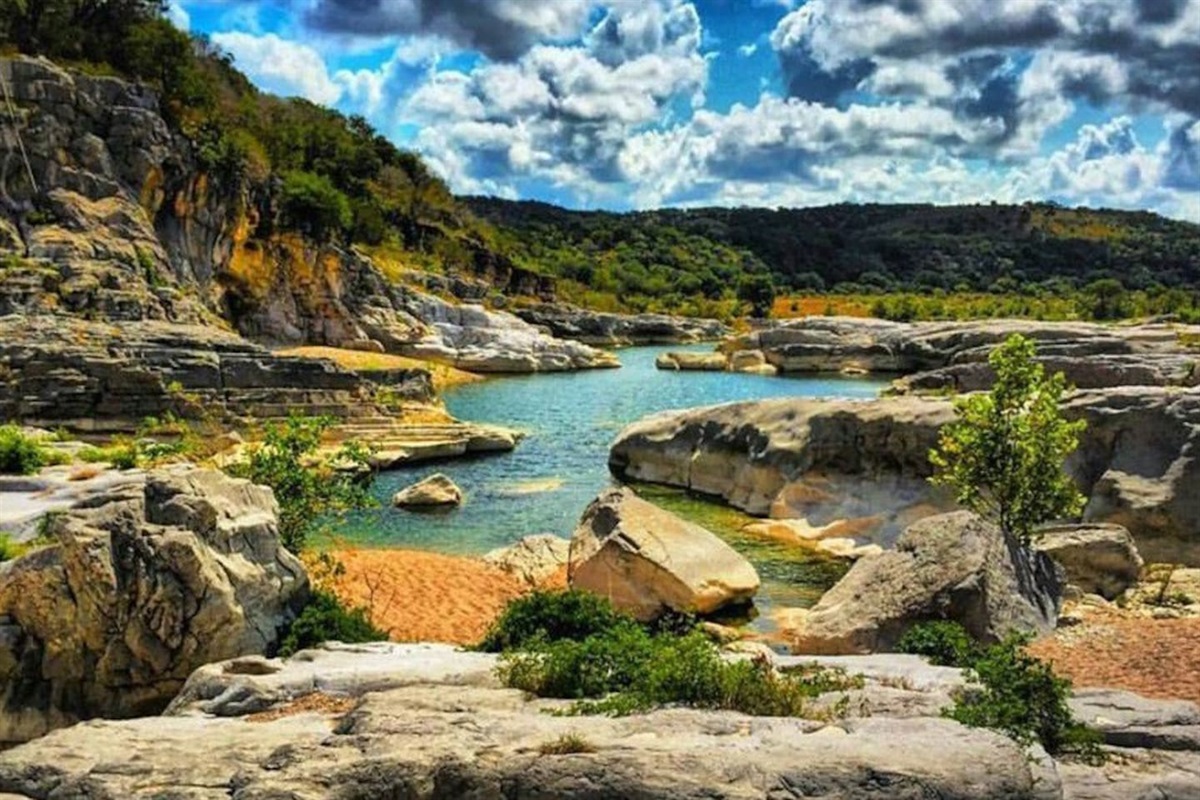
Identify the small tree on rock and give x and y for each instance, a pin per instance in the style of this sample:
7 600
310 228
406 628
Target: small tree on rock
1004 453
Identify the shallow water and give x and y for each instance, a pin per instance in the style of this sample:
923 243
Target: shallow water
570 420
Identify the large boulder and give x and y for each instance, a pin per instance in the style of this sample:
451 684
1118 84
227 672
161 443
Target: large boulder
534 559
139 588
432 492
647 560
1098 559
952 566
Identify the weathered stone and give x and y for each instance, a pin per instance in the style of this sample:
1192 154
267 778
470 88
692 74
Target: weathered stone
533 559
647 560
620 330
954 566
436 490
828 460
1098 559
141 587
702 362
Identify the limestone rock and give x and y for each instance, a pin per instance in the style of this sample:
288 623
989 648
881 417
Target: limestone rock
701 362
954 566
647 560
620 330
752 361
436 490
533 559
141 587
823 461
1099 559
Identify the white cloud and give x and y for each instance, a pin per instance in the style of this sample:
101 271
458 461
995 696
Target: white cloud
281 66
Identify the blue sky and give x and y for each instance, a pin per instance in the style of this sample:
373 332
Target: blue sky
643 103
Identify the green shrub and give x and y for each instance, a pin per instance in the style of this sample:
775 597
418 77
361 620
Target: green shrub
575 646
1021 697
312 204
325 619
19 454
122 453
550 617
566 745
307 488
944 643
10 548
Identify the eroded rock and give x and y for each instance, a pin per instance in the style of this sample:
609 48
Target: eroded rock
432 492
1098 559
647 560
533 559
954 566
141 587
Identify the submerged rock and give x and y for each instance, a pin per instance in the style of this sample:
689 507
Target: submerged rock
647 560
139 588
1098 559
954 566
436 490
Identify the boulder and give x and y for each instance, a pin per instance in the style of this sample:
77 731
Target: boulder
696 362
436 490
533 559
953 566
1099 559
140 587
620 330
751 361
647 560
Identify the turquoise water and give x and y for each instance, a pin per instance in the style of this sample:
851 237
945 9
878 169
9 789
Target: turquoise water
570 420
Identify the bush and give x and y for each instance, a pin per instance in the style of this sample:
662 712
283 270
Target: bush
306 487
575 646
1021 697
1003 454
10 548
19 454
551 617
325 619
312 204
944 643
123 453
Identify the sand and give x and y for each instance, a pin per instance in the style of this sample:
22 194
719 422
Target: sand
1151 657
443 376
419 596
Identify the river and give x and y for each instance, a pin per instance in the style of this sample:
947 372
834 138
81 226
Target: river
570 419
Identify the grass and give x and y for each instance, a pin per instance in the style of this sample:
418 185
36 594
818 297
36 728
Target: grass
21 454
568 744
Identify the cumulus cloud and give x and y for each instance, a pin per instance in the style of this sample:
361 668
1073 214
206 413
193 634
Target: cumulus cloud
563 114
281 66
500 29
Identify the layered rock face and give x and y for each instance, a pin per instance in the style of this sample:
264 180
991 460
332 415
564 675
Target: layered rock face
620 330
141 587
648 561
96 376
1097 559
830 460
121 223
954 566
953 355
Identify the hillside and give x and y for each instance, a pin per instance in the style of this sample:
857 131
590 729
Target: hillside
855 248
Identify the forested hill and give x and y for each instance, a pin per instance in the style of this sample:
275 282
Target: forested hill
855 248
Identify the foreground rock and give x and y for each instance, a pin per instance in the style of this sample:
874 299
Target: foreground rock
824 461
430 722
432 492
956 567
620 330
1097 559
533 559
647 560
139 588
422 722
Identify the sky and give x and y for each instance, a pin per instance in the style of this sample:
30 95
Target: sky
645 103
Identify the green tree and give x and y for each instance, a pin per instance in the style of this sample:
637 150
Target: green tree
1109 300
313 205
307 488
1003 455
759 291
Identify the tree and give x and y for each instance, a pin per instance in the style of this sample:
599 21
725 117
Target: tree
313 205
1003 454
759 291
306 487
